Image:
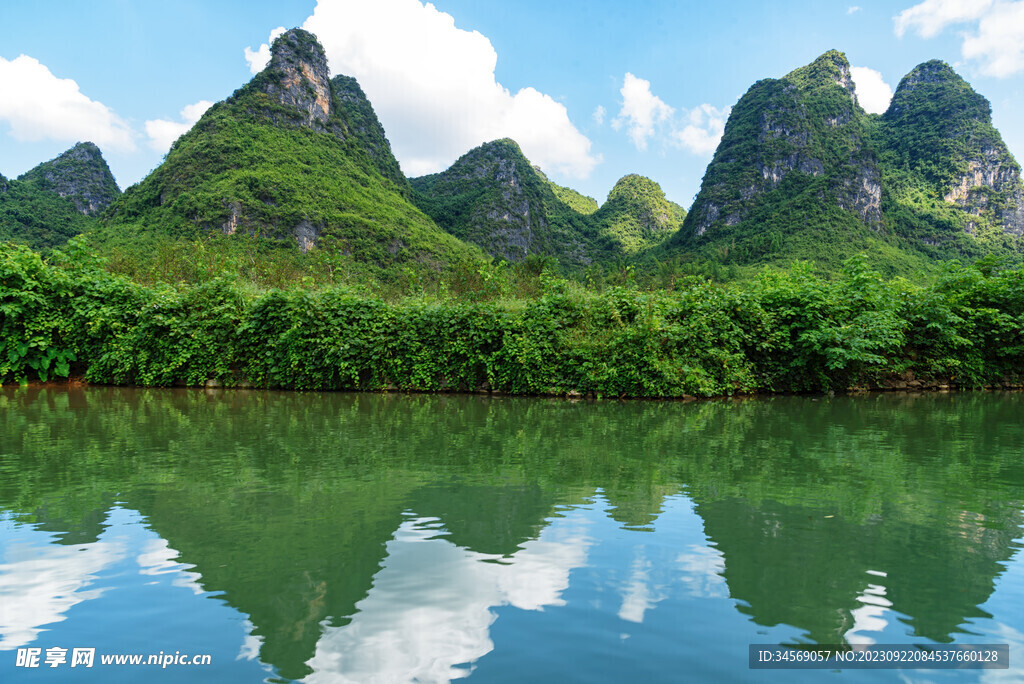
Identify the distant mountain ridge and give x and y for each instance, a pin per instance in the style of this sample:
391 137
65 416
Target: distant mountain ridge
298 158
493 197
803 172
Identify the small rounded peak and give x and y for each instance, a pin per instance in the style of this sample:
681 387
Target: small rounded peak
83 150
835 58
502 147
935 81
932 71
505 142
636 188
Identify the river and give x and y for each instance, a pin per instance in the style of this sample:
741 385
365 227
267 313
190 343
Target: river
331 537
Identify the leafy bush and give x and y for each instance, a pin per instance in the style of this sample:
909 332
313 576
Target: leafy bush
788 331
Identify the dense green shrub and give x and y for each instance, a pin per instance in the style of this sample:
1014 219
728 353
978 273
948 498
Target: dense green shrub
789 330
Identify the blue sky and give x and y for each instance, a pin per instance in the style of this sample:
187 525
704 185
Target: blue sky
591 90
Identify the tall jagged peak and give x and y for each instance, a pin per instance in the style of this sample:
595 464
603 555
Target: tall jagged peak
297 76
831 67
79 174
940 129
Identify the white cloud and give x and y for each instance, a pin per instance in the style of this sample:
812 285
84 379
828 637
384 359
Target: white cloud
41 582
999 42
430 609
598 115
928 18
433 87
39 106
260 57
703 130
873 93
162 132
642 111
853 10
997 45
645 116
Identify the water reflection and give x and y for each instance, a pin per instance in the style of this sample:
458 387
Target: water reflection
40 581
389 537
430 609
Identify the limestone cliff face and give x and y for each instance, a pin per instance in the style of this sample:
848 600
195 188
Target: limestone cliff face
80 175
297 77
493 197
801 134
501 217
939 130
991 176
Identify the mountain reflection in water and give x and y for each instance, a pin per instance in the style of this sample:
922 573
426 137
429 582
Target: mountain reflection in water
390 538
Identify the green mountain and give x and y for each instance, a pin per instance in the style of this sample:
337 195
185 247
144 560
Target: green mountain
803 172
365 129
951 183
56 200
493 197
292 157
637 215
80 175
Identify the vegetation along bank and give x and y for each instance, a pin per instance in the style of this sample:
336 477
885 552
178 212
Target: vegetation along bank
786 330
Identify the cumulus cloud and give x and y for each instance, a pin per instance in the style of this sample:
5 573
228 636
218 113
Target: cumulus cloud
642 111
162 132
646 117
873 93
598 115
703 130
260 57
928 18
853 10
40 106
997 43
432 604
433 87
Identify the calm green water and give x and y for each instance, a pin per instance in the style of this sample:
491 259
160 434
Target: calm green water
337 537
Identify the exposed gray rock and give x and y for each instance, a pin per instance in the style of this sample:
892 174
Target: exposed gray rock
992 171
298 77
81 175
306 234
863 194
231 225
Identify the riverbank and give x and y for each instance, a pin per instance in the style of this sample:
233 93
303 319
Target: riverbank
786 331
